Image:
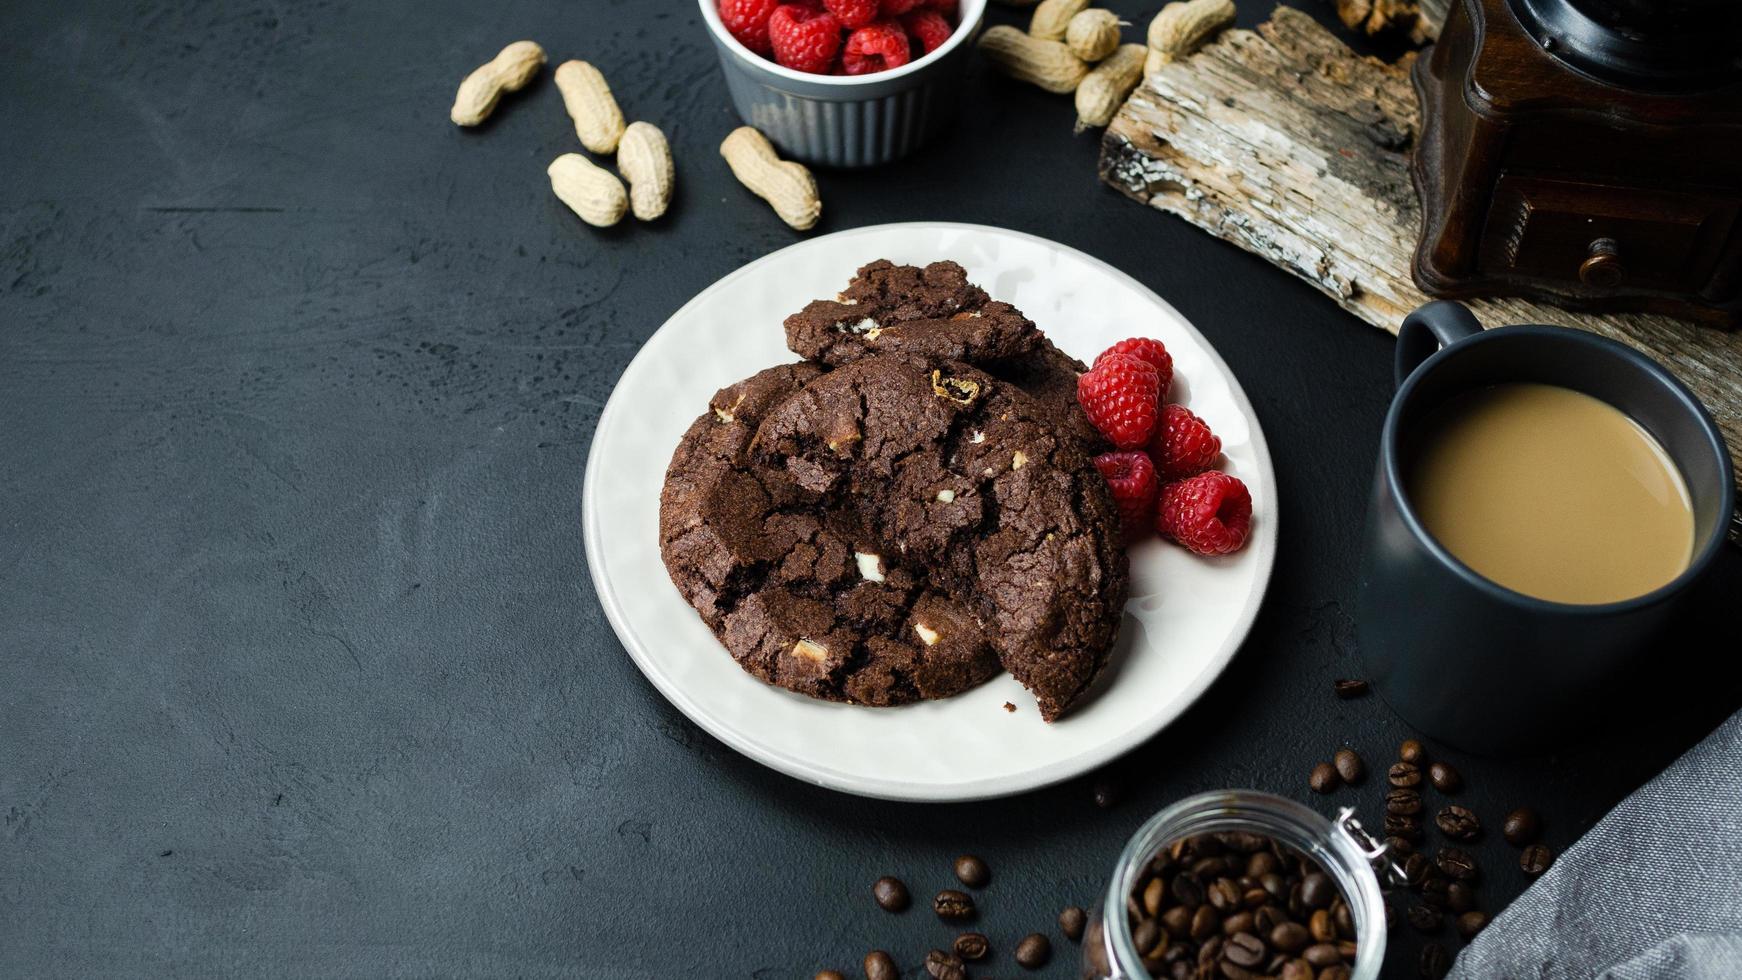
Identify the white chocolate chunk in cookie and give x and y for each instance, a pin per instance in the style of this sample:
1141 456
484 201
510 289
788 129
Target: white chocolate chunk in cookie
947 496
926 634
814 652
870 566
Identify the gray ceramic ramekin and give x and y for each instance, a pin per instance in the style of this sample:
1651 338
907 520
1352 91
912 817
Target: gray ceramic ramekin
847 121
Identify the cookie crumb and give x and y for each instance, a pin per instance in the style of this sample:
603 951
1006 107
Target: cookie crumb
1009 707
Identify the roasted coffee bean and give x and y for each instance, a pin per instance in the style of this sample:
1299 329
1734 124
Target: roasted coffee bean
1403 802
972 946
1107 793
1254 897
831 975
1324 778
1535 859
1347 689
1290 937
1071 922
1412 751
891 894
1471 923
1268 918
1444 777
880 966
1205 923
1398 847
1460 897
1336 971
1403 775
1436 891
1317 891
952 904
945 966
1229 970
1224 895
1177 920
1455 862
1458 823
1153 894
972 871
1210 868
1401 825
1274 885
1349 766
1321 927
1322 954
1521 827
1296 970
1187 890
1435 962
1033 951
1147 937
1414 867
1244 949
1210 951
1238 922
1261 863
1344 919
1348 949
1425 919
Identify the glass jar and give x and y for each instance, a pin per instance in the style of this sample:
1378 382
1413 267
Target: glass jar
1346 852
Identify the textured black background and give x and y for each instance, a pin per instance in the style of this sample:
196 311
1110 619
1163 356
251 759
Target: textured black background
301 671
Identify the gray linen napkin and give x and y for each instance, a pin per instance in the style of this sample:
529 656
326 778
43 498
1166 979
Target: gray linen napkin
1654 890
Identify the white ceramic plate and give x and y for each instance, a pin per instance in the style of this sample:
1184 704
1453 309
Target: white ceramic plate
1185 618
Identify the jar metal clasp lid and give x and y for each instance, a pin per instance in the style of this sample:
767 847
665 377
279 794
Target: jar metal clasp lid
1372 849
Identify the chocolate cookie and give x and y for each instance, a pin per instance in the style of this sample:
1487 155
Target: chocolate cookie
792 589
903 309
935 312
974 482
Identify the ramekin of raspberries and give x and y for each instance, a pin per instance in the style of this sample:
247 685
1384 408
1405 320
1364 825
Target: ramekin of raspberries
841 37
845 83
1163 468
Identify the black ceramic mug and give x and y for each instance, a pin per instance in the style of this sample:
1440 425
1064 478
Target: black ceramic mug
1476 664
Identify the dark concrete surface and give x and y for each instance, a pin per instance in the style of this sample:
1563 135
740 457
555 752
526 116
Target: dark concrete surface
301 671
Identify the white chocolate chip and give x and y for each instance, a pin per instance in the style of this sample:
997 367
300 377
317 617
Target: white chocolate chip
723 415
814 652
870 566
1017 461
866 325
927 634
947 496
978 438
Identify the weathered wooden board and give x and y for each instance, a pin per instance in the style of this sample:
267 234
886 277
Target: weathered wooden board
1285 142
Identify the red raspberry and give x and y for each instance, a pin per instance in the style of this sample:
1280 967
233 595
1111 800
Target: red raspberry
927 28
1184 445
1134 483
853 14
804 39
1120 396
747 20
1209 513
876 47
895 8
1149 350
945 7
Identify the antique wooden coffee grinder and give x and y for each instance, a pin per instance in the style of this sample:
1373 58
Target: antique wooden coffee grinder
1588 152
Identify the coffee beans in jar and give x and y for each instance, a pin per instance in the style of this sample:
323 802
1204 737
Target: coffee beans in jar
1241 904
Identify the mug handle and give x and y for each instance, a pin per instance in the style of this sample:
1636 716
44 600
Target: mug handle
1441 323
